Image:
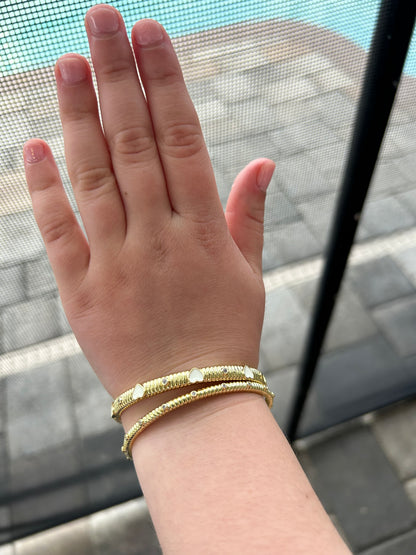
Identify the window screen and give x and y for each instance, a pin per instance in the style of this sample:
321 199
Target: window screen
269 78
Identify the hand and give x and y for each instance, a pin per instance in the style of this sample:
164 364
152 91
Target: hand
165 281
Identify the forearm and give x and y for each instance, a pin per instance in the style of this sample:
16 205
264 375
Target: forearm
220 477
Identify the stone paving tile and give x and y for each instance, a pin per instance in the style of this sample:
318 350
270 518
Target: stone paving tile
332 78
29 322
211 110
279 209
406 259
404 544
10 159
36 390
222 130
201 90
355 481
91 402
125 530
407 165
388 179
20 238
308 63
405 136
395 429
233 87
288 243
283 382
350 322
318 215
384 216
379 281
5 525
303 136
302 179
4 465
397 320
73 537
335 108
60 503
12 289
14 128
235 155
49 468
410 488
290 89
39 278
7 550
330 160
349 382
255 114
117 483
408 200
284 328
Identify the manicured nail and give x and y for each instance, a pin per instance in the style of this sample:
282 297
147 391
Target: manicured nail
72 70
264 176
103 21
34 152
148 33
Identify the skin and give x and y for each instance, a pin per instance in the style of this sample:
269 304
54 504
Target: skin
165 281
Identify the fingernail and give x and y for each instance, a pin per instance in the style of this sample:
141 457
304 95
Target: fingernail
34 152
148 33
264 176
72 70
103 21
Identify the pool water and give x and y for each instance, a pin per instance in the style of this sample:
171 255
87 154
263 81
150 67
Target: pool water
34 33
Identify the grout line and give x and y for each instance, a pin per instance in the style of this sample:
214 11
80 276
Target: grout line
65 346
371 250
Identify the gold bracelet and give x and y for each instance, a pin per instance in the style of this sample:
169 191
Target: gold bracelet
182 379
169 406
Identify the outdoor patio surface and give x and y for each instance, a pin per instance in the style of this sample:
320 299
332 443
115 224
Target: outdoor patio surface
288 92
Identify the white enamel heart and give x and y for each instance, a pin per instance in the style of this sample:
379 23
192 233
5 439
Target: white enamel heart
195 375
248 372
138 392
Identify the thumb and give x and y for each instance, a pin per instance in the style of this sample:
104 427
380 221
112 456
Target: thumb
245 209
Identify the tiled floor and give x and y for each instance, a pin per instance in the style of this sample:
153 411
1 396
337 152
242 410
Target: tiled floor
294 104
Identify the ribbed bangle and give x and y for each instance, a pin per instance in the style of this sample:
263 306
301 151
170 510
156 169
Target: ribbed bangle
182 379
169 406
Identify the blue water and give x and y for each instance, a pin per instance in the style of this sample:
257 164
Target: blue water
35 33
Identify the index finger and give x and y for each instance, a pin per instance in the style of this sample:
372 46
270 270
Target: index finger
183 153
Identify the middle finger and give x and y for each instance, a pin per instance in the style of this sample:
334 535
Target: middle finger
126 120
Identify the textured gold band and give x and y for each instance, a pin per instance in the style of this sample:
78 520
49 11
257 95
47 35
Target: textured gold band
182 379
169 406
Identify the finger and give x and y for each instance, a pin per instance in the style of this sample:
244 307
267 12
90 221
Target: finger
87 157
186 164
66 245
245 209
126 120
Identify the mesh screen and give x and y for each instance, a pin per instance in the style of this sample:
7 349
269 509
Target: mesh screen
279 79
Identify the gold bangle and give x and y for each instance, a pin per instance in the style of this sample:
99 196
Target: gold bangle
182 379
169 406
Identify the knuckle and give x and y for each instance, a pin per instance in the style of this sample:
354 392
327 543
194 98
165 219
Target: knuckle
57 230
133 141
114 71
165 75
94 179
183 140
